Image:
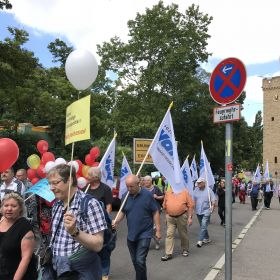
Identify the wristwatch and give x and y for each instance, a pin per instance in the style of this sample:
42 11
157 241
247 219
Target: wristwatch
75 233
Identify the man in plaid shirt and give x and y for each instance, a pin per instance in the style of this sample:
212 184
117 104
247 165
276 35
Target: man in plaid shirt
75 240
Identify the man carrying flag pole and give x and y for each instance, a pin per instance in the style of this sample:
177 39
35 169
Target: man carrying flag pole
268 188
204 199
163 150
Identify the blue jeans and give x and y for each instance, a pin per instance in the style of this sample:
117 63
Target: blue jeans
203 222
105 256
138 251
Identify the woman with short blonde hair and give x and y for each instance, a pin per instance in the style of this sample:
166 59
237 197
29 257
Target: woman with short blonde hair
17 241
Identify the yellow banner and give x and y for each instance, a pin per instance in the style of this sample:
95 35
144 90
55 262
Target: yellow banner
77 126
140 148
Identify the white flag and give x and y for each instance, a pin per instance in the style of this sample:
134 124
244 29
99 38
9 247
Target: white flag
125 171
107 164
266 172
205 169
163 151
257 176
194 169
187 176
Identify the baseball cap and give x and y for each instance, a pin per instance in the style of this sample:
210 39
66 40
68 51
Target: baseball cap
199 180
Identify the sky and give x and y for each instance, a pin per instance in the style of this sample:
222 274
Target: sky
241 29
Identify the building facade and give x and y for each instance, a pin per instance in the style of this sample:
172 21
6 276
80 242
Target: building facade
271 124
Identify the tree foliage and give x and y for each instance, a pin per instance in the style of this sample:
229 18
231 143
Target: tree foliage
137 80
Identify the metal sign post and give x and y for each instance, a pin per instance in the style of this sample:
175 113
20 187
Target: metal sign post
228 216
226 84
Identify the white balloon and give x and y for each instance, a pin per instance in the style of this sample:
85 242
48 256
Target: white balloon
81 69
49 165
60 161
81 182
74 164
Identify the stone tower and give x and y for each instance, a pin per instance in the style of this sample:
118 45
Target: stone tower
271 125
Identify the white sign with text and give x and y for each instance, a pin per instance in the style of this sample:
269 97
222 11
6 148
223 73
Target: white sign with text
228 113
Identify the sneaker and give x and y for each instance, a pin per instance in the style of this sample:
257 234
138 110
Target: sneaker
205 241
157 246
185 253
166 257
199 244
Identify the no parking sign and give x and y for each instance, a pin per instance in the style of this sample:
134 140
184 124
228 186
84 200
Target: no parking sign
227 81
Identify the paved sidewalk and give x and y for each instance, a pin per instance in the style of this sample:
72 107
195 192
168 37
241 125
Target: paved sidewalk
257 256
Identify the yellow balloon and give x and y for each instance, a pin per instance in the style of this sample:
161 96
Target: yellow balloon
85 170
33 161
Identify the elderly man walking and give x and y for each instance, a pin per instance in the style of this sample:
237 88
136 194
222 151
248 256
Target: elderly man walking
179 210
141 212
204 199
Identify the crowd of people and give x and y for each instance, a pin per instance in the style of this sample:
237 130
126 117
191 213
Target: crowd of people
66 238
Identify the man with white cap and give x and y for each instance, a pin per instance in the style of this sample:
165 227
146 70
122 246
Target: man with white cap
204 199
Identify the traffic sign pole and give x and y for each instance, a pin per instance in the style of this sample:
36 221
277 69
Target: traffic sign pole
228 215
226 84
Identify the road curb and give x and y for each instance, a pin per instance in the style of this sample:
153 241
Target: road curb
220 263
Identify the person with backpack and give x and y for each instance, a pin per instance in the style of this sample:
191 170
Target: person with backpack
141 212
103 193
76 239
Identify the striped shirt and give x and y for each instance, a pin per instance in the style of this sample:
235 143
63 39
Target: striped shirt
63 244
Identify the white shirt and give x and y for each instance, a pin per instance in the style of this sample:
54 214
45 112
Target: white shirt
14 186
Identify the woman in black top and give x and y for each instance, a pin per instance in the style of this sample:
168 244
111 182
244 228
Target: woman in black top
221 203
17 241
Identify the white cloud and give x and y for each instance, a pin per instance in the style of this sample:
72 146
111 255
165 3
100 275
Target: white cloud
240 28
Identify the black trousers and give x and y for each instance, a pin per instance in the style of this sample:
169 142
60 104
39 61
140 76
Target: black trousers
267 199
221 212
254 203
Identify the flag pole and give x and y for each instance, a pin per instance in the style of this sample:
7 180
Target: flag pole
70 177
148 151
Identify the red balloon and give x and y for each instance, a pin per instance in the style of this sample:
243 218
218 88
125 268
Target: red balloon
31 173
41 171
46 157
35 180
8 153
95 164
42 146
94 153
88 160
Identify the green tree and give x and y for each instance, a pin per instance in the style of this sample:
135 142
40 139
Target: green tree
159 64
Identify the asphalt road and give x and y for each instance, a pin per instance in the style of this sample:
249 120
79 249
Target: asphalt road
194 267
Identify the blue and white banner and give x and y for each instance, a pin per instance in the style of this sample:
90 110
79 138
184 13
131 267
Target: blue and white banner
42 189
163 150
107 164
125 171
187 176
205 169
193 168
257 176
